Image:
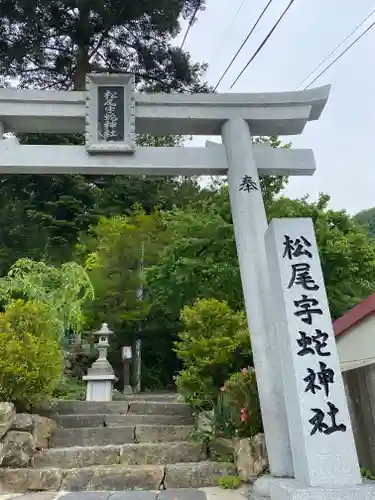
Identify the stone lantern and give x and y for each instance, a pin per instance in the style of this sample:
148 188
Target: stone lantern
100 377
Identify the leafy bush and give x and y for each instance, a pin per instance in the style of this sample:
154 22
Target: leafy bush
367 474
70 389
229 482
31 359
241 399
224 417
214 344
65 290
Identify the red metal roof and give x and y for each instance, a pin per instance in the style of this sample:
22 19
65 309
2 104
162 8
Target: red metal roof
355 315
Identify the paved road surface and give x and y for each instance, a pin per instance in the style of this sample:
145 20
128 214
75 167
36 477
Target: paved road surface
182 494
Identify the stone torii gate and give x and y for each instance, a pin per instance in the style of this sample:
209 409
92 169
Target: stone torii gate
109 112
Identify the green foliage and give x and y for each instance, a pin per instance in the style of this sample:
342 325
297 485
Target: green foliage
201 259
366 218
367 474
224 417
41 216
30 355
70 389
64 290
114 252
55 43
241 395
229 482
213 340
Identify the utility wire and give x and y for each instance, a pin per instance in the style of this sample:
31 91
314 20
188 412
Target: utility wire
340 56
192 19
263 43
243 43
336 48
218 47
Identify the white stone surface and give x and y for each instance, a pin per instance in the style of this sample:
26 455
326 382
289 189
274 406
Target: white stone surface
99 387
15 159
93 144
261 486
250 223
279 113
320 457
216 493
289 489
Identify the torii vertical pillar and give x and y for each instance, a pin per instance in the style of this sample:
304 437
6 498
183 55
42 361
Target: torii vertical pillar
250 224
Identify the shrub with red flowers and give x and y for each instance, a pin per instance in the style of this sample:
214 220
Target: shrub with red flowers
240 397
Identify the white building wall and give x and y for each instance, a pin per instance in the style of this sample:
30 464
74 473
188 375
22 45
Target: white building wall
356 346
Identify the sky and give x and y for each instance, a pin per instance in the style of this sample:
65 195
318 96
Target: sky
342 137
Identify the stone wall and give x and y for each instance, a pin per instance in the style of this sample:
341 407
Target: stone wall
21 435
249 455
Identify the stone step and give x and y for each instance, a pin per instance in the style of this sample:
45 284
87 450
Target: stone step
128 454
172 494
159 408
115 477
121 408
119 420
103 436
157 433
76 421
147 396
87 436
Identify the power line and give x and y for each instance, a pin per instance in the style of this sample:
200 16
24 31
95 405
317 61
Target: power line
243 43
263 43
336 48
226 31
192 19
340 56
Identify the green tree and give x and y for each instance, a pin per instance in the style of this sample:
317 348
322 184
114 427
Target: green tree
55 43
31 358
42 215
114 252
201 260
63 291
366 218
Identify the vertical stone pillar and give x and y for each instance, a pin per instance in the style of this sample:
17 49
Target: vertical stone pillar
324 455
250 224
137 366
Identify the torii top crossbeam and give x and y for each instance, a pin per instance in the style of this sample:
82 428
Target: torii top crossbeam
110 113
280 113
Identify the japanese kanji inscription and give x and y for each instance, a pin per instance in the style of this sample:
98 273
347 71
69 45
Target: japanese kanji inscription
110 114
318 416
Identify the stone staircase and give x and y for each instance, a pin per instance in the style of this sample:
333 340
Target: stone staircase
143 443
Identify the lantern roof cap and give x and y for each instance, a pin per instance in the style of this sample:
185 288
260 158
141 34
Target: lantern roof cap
104 330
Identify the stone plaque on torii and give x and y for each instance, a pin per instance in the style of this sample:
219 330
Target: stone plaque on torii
110 113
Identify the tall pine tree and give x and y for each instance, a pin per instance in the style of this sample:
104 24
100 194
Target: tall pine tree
53 44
